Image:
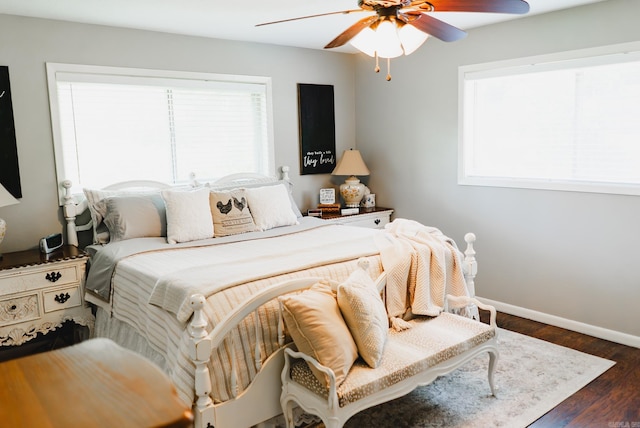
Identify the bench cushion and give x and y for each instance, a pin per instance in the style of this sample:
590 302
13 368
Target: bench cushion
427 343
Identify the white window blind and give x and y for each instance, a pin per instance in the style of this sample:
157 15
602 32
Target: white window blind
565 122
114 124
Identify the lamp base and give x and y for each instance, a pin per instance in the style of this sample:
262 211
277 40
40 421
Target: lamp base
352 192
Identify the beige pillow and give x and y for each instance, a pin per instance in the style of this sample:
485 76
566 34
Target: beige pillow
230 212
364 312
188 215
318 330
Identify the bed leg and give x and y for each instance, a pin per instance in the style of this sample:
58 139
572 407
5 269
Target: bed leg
200 353
470 269
69 211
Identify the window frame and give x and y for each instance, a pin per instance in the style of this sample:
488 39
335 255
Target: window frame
592 56
117 74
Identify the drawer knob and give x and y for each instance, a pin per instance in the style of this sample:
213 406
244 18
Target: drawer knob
53 276
62 297
377 221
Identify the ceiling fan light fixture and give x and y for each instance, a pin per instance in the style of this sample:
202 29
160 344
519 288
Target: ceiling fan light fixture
411 38
388 42
365 41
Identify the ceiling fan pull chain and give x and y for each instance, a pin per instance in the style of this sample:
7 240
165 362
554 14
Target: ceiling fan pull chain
388 69
377 68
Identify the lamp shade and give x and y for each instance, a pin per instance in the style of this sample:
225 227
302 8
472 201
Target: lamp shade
351 163
6 199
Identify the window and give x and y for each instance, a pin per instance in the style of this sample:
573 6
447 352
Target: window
117 124
566 122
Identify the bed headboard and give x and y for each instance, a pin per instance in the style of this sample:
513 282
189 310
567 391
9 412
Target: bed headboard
72 208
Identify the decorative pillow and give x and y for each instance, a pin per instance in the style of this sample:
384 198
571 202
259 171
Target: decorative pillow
135 216
230 212
270 207
316 326
364 312
188 215
287 184
98 211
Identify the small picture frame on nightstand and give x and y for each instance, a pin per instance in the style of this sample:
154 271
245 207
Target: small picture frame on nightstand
328 196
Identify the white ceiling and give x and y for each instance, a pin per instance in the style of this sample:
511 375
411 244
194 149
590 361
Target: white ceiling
236 20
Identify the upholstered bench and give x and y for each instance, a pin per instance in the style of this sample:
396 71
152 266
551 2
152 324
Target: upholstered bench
430 348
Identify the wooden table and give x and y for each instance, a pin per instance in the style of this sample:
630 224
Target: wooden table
93 384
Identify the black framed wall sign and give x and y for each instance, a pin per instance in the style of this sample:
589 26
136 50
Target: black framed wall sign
317 128
9 172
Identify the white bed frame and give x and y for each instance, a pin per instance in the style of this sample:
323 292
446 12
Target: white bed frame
259 403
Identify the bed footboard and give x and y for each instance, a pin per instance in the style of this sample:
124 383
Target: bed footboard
233 413
262 395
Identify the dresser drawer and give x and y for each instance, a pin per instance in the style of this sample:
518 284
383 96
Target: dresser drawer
39 278
62 298
19 309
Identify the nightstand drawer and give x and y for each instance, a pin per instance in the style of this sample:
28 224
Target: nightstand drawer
19 309
61 298
373 218
373 223
41 278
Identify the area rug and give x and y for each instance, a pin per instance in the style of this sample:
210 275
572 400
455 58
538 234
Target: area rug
532 377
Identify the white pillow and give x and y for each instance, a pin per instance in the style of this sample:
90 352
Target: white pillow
270 207
188 215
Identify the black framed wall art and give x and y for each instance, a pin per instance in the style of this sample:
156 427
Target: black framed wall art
317 128
9 172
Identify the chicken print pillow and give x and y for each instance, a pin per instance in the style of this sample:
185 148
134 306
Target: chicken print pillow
230 213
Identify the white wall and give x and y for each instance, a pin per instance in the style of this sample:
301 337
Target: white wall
26 44
571 255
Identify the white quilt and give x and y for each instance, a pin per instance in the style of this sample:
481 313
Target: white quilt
212 269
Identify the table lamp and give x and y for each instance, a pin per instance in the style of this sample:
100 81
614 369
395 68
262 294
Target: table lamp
6 199
351 164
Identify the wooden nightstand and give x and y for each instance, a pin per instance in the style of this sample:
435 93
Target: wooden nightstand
375 218
39 292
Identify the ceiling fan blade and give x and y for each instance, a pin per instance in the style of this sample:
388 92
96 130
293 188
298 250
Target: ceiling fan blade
435 27
342 12
490 6
351 32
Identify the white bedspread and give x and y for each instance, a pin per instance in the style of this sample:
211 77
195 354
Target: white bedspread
211 269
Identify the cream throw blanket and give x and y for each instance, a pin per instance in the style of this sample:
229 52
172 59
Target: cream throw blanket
422 266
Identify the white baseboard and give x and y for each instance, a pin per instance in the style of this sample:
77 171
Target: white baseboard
591 330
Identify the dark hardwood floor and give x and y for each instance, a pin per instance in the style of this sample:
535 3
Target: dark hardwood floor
612 400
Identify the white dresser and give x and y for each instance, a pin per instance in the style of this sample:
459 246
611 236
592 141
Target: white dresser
39 292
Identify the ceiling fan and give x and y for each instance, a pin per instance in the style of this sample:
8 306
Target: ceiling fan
401 26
